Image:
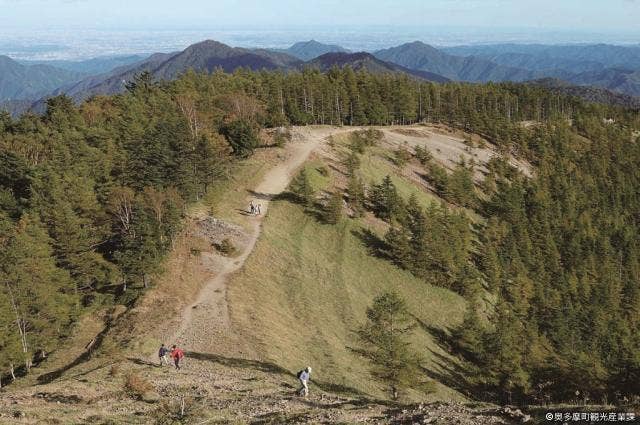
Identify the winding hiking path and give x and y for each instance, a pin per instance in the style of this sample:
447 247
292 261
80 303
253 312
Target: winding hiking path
205 324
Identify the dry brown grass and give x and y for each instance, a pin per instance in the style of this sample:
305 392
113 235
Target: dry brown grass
144 326
136 385
114 370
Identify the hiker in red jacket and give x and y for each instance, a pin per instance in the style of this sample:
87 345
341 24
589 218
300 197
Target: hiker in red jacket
176 354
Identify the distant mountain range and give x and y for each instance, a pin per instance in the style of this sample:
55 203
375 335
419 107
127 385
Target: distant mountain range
209 55
92 66
19 82
368 62
575 58
614 70
307 50
421 56
113 81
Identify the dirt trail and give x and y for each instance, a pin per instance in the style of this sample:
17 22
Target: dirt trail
205 325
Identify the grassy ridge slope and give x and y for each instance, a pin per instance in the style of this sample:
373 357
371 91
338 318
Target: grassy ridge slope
307 285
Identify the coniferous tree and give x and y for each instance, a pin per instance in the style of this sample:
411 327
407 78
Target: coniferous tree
242 137
39 294
423 155
401 156
356 194
460 187
333 209
353 163
398 239
384 338
385 201
301 187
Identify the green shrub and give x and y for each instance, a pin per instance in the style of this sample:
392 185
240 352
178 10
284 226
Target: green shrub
333 210
301 187
226 247
401 156
423 155
242 137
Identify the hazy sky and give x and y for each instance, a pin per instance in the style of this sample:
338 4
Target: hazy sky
579 15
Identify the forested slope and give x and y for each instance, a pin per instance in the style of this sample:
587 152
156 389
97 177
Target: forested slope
92 196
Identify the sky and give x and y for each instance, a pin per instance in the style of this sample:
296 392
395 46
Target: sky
606 16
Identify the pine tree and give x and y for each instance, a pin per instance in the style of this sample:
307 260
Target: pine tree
460 188
470 335
398 239
384 338
423 155
242 137
356 195
401 156
385 200
353 163
333 210
438 177
415 222
211 162
40 295
301 187
503 355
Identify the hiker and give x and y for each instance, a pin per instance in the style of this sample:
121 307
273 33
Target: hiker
177 355
162 354
252 207
303 376
259 207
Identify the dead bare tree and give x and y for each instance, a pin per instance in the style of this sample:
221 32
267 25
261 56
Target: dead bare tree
21 324
188 108
121 206
244 107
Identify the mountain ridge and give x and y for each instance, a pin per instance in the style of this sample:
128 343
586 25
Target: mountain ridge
307 50
208 55
417 59
367 61
420 56
20 82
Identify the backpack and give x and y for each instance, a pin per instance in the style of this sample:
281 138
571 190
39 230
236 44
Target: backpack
300 374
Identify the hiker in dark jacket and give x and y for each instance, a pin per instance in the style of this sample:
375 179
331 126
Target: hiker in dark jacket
303 376
163 355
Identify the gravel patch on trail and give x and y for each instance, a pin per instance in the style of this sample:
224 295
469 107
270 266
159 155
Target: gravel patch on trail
215 231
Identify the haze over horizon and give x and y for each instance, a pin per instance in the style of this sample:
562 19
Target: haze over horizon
79 29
